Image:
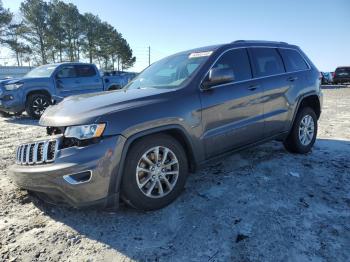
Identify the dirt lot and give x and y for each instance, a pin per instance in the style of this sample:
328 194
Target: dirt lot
262 204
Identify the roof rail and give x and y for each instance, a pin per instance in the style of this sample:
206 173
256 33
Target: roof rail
258 41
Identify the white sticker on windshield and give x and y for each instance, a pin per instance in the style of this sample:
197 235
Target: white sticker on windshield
200 54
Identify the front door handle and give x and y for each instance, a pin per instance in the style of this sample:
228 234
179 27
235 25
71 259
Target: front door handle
292 78
252 87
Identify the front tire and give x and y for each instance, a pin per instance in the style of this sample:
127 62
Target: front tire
304 132
36 105
155 172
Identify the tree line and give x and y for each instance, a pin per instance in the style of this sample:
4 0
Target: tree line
55 31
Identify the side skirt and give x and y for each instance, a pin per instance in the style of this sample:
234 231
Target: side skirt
278 137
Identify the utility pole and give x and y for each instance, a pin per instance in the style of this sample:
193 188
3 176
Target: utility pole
149 55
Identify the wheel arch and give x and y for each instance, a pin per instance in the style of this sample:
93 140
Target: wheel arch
175 131
37 91
312 100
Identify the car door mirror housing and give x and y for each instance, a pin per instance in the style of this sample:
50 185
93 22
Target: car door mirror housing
218 76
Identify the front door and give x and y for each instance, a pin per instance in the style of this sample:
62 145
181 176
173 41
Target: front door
66 81
232 113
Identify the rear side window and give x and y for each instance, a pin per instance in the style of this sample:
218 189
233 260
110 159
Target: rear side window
238 61
267 61
85 70
293 60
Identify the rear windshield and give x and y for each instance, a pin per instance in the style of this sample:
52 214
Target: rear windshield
343 71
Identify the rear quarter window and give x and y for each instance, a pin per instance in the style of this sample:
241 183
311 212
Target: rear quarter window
266 62
293 60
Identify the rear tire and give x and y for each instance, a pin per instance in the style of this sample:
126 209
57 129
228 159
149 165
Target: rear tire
36 105
151 182
304 132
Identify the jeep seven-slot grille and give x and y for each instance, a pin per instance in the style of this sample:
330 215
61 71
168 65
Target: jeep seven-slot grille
37 153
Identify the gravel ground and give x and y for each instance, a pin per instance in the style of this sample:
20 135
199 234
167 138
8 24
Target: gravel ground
262 204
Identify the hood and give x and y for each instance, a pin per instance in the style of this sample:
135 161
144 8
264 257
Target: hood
9 80
88 108
23 79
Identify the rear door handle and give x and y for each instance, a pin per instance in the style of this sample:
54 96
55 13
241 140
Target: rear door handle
292 78
252 87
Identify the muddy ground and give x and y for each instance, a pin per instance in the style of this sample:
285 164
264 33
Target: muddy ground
262 204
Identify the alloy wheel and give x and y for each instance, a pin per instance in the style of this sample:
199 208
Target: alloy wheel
306 130
157 172
39 105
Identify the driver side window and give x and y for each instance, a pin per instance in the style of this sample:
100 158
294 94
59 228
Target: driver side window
66 72
237 60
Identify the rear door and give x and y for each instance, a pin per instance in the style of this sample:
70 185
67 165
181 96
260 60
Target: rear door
232 112
296 77
269 69
89 80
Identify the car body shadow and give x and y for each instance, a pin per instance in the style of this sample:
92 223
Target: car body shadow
216 198
21 120
334 86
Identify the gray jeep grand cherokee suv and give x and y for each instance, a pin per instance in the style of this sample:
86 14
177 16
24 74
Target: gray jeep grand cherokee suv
140 143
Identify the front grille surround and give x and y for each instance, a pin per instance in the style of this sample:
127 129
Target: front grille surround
37 153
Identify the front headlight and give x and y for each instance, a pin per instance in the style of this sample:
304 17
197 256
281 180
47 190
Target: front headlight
14 86
85 131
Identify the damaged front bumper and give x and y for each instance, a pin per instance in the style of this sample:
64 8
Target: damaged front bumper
78 176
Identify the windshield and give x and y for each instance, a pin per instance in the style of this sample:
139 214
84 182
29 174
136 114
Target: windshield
41 71
169 72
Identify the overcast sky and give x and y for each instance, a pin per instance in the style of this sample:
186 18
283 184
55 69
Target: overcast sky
320 28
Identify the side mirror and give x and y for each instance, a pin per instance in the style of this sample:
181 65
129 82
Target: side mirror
218 76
